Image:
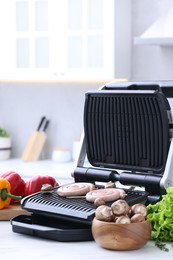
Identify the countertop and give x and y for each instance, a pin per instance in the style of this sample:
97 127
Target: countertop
19 246
61 171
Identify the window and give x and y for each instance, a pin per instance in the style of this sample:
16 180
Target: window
57 39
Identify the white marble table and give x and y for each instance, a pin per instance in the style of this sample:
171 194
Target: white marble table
23 247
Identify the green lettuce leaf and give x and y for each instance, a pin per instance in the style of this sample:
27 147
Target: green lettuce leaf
161 217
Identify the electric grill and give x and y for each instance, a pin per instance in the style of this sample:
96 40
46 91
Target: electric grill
127 139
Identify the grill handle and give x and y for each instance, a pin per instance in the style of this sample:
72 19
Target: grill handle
84 174
151 182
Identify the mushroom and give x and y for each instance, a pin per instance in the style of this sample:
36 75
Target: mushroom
120 207
123 220
139 208
46 188
99 202
104 213
138 217
110 184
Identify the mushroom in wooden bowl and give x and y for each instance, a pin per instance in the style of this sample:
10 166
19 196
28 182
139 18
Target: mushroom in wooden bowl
114 230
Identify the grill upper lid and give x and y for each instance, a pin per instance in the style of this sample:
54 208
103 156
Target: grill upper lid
127 129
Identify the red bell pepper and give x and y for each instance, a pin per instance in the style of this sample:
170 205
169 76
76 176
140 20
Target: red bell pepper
35 184
16 182
5 195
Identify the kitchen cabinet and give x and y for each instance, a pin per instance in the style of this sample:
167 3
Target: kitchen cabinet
50 34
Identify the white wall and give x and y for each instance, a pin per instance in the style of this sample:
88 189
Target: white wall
23 104
150 62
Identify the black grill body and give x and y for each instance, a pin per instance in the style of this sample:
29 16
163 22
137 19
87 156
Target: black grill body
127 136
127 139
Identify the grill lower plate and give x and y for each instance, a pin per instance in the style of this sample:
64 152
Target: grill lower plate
50 228
73 209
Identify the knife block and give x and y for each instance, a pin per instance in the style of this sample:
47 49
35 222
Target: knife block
34 146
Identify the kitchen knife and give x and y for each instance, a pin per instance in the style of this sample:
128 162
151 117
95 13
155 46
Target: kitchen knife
41 123
46 126
36 142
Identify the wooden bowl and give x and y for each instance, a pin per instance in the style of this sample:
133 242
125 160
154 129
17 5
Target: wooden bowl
117 236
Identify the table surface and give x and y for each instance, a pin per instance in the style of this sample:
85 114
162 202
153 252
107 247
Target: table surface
61 171
19 246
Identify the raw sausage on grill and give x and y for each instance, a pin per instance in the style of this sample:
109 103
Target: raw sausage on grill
75 189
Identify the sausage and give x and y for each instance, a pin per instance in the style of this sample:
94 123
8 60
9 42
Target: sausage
105 194
75 189
122 193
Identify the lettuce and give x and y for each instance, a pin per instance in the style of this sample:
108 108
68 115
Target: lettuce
161 217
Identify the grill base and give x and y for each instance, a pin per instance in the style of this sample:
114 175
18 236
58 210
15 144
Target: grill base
49 228
71 209
62 219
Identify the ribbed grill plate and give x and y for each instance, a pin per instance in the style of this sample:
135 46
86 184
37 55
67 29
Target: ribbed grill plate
77 209
126 131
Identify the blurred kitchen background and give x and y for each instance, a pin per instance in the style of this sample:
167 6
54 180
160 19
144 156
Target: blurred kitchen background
138 50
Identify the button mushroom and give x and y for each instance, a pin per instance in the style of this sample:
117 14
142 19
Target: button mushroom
120 207
46 188
99 202
104 213
139 208
137 218
123 220
110 184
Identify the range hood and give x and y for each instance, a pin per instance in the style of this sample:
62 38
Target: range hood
160 32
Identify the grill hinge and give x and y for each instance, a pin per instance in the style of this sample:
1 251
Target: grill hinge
151 182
